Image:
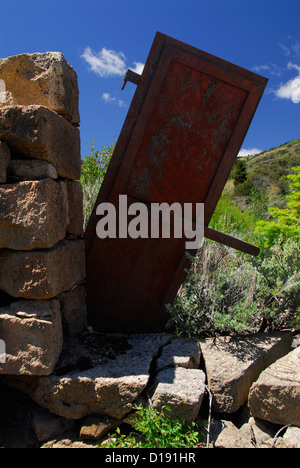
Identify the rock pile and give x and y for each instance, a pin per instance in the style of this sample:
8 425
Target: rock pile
42 261
99 379
76 380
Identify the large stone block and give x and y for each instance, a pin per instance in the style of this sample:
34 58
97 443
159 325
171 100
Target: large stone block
74 310
33 215
32 333
75 202
234 363
181 352
4 161
41 78
182 390
112 387
42 274
275 396
31 169
39 133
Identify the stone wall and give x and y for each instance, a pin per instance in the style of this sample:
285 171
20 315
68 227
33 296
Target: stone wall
42 260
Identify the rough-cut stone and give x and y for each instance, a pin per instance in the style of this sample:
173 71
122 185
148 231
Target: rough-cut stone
41 78
69 444
182 390
42 274
234 363
31 169
32 332
33 215
39 133
263 432
75 202
231 437
95 428
46 425
275 396
292 436
181 352
4 161
107 389
74 311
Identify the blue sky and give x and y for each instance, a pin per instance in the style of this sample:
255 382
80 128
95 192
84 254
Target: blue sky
102 38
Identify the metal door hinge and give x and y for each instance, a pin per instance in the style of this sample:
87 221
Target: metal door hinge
131 76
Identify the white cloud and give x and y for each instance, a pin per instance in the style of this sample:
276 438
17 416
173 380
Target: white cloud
109 62
291 89
260 68
113 100
249 152
108 98
138 68
272 69
285 49
291 50
106 62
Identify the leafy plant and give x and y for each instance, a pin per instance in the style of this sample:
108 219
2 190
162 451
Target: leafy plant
284 221
156 430
229 292
93 170
240 172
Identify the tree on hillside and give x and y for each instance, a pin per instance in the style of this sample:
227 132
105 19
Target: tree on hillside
240 172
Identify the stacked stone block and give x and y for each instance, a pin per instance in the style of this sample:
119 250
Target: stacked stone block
42 260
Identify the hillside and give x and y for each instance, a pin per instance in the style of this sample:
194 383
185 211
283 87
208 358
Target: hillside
268 170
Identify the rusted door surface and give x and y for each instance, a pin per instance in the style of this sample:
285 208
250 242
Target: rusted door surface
185 126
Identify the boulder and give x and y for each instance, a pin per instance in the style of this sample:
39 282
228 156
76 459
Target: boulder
47 426
110 388
33 215
31 169
181 352
292 435
4 161
275 396
94 428
231 437
74 311
263 432
234 363
41 78
32 333
75 202
181 390
39 133
42 274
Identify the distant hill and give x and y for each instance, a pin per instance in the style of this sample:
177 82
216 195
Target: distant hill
268 170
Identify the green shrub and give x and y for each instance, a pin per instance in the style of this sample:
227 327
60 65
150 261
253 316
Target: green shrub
284 221
244 189
240 172
93 170
229 292
257 201
230 218
156 430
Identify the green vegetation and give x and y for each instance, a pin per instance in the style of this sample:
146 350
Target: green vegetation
284 221
240 172
155 429
93 169
229 292
226 291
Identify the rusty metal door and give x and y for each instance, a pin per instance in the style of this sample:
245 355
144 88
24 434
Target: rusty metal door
185 126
